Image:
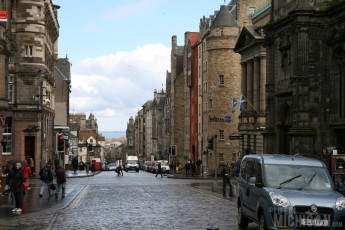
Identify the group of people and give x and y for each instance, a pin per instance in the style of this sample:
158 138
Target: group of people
192 167
46 177
17 180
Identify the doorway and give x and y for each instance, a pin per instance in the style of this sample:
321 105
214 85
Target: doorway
30 150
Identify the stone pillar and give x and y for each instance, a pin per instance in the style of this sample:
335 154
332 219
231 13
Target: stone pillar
249 84
256 84
244 79
263 84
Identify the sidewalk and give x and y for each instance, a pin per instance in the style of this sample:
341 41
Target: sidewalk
33 203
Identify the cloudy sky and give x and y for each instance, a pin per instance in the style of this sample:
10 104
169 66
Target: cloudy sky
120 51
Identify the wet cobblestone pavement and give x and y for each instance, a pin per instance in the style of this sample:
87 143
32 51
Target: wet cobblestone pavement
134 201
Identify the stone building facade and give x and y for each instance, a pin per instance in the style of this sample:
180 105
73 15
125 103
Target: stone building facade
177 103
220 74
32 32
250 46
305 87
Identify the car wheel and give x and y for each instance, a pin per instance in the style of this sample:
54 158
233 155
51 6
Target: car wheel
241 219
262 222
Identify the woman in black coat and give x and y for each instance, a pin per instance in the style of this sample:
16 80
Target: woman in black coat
17 180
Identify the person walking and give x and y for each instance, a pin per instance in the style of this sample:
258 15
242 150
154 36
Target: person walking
75 164
9 173
119 170
187 167
60 181
46 176
226 172
17 180
159 169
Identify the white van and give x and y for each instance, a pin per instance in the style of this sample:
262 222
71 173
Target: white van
132 163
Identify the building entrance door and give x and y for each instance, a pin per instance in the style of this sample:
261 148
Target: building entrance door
30 150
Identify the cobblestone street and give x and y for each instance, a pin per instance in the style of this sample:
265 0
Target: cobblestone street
134 201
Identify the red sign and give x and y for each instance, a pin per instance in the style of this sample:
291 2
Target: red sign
3 16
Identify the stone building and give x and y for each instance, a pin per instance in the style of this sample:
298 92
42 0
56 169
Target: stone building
177 101
32 32
250 46
305 87
4 86
159 149
90 142
220 74
130 135
147 130
62 74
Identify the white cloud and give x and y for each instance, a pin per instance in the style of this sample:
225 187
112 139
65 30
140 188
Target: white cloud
115 86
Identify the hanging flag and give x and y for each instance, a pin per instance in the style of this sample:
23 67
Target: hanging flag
242 101
234 103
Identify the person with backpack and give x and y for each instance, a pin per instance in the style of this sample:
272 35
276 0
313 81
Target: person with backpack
46 176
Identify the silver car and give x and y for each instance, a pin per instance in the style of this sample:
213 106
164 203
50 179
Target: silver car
288 192
112 166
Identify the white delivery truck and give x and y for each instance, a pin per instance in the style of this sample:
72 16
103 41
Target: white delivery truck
132 163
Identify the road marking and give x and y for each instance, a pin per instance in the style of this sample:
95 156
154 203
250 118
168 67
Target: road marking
80 197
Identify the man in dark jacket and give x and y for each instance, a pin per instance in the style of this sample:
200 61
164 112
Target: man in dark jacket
75 164
16 184
226 172
60 181
46 176
159 169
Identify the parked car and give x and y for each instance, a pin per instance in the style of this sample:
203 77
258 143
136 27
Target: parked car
288 192
164 165
112 166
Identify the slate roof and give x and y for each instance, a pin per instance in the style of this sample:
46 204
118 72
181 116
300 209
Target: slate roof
224 18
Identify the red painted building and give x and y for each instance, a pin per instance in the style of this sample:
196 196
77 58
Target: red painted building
192 83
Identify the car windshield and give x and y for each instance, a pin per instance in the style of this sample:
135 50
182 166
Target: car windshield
164 163
297 177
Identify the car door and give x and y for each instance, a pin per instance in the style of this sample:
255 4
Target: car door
254 192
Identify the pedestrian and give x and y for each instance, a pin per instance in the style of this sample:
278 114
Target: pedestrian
226 172
187 167
159 169
198 164
26 172
32 165
60 181
46 176
56 163
9 173
193 168
17 180
75 164
119 170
